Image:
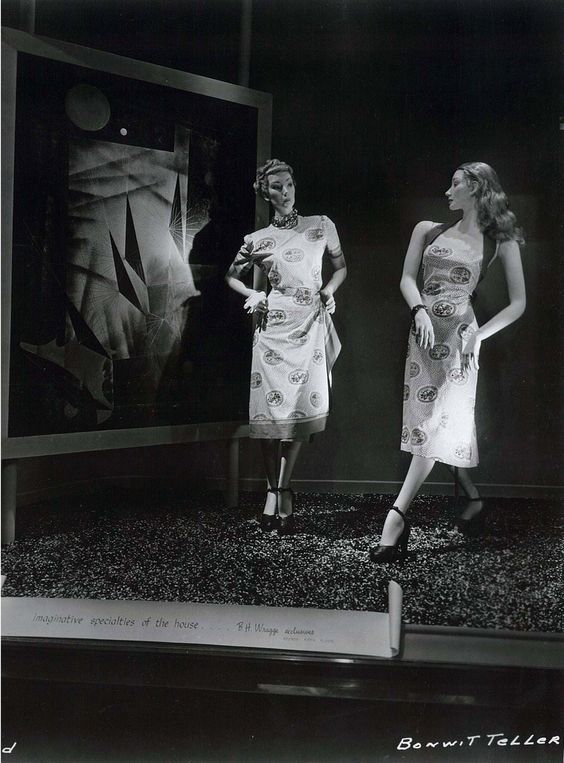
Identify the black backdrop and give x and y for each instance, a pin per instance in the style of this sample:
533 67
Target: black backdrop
375 104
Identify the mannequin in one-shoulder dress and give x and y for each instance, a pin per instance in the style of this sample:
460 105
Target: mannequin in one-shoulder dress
295 343
444 344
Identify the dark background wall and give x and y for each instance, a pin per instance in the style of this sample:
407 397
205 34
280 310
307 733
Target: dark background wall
375 104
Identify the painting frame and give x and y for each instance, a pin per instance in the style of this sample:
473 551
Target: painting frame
15 43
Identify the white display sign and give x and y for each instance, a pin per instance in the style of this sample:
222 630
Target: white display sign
375 634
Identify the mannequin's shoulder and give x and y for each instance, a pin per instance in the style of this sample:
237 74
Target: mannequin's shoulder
424 226
312 220
320 221
259 233
424 230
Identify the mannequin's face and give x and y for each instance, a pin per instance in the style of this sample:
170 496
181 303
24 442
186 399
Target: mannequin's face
281 192
460 193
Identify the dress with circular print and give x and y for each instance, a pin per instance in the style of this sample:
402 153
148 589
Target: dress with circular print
438 394
295 349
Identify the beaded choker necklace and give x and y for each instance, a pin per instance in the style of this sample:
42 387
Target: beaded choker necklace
288 221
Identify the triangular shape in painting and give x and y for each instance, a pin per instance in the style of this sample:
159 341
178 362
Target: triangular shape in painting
175 224
124 283
84 333
132 253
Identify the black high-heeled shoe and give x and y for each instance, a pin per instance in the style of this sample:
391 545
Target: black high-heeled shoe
286 525
381 554
473 525
268 522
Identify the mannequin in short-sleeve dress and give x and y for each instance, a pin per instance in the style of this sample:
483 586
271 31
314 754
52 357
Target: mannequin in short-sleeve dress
294 344
295 348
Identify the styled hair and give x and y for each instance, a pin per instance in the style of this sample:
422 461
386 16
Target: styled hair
494 216
270 168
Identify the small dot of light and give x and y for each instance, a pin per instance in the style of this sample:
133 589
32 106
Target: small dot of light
123 131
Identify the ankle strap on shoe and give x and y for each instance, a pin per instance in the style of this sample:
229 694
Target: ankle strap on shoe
402 515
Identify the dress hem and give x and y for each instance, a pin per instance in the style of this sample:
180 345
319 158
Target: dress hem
460 462
290 429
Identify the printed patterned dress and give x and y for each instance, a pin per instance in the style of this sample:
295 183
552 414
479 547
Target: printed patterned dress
439 397
294 352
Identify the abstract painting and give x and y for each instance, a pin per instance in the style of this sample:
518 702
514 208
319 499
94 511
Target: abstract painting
130 200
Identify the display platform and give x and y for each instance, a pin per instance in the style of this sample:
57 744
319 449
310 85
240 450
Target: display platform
444 665
476 689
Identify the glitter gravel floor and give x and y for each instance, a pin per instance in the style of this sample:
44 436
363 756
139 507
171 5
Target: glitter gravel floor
171 548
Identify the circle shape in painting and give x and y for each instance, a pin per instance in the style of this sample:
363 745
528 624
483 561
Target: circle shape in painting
87 107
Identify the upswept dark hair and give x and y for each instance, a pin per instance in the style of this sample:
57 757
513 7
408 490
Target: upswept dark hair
494 216
272 165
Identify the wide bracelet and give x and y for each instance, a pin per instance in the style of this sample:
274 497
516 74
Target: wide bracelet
416 309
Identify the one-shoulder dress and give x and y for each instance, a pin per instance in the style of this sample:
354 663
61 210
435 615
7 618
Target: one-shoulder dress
439 395
293 354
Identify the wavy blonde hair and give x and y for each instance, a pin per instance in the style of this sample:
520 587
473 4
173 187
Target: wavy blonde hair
494 216
269 168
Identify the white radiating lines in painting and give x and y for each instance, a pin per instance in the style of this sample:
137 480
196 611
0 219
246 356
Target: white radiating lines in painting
128 281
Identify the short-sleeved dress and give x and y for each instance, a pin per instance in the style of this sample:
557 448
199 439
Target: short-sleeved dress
439 396
293 354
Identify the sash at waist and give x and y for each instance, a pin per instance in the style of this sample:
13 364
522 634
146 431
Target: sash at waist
291 291
435 293
455 297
